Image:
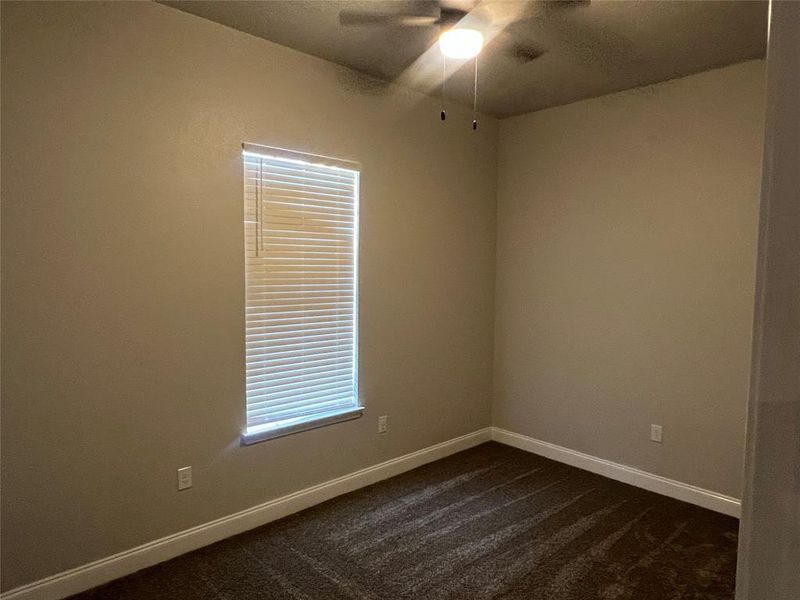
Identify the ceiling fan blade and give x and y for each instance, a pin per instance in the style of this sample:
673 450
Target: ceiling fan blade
518 48
463 6
566 4
524 53
353 17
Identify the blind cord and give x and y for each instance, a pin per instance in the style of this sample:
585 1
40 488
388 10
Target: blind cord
444 80
259 208
475 98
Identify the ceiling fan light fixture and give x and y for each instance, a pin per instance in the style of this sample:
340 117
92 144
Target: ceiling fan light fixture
461 43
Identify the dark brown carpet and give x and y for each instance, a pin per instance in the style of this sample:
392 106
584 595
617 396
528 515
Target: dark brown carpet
490 522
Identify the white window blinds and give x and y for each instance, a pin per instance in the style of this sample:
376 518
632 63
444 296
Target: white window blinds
301 260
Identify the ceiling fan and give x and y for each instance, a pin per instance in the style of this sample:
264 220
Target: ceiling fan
461 38
448 14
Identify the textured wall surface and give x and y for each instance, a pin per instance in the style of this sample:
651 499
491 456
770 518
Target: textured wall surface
123 276
625 274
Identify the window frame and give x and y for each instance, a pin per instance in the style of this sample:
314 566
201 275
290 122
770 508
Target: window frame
340 415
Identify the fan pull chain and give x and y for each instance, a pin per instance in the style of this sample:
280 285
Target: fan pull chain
444 80
475 98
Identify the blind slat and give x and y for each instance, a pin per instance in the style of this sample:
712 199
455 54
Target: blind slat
306 383
282 369
286 375
299 351
264 400
280 363
293 411
282 166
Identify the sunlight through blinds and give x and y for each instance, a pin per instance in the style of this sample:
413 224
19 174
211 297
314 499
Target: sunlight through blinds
301 250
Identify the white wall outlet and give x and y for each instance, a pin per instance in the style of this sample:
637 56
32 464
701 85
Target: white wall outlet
655 433
184 478
383 424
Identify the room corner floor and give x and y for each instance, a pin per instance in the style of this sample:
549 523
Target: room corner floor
490 522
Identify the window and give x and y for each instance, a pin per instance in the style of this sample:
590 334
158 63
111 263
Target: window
301 271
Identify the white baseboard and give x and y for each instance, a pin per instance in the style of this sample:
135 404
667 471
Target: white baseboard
101 571
648 481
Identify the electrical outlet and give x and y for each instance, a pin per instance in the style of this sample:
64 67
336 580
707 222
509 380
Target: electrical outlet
383 424
655 433
184 478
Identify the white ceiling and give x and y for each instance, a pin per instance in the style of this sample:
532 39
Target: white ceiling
590 48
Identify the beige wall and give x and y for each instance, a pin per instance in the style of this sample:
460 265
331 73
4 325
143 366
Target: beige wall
625 274
123 279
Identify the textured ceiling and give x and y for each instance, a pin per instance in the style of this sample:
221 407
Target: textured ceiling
588 48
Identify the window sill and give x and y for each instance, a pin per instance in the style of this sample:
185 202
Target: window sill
262 434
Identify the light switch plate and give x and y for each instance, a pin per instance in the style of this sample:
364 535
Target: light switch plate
184 478
655 433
